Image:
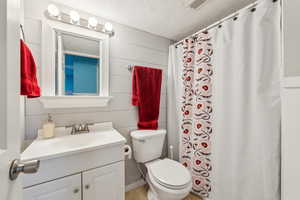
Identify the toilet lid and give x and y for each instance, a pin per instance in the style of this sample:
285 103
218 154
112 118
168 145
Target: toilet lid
170 173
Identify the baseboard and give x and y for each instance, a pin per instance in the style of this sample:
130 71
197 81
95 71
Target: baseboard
134 185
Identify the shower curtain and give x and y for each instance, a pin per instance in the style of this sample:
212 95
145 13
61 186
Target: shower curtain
196 111
247 105
229 125
174 91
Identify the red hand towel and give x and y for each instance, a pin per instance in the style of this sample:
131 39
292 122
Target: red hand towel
29 83
146 86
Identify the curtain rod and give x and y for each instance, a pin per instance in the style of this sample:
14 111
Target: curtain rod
233 16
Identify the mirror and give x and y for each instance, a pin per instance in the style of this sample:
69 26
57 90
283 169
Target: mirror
77 65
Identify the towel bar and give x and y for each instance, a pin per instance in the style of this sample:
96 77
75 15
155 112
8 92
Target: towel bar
130 67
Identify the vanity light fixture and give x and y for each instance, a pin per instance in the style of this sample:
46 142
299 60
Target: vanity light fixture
53 10
93 22
74 17
108 27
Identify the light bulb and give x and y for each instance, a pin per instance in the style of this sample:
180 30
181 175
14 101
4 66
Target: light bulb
108 27
75 17
53 10
93 22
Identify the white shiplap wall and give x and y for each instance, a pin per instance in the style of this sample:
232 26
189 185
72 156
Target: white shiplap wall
128 46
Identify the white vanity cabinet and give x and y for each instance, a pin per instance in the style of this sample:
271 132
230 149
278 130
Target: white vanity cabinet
104 183
100 183
68 188
77 167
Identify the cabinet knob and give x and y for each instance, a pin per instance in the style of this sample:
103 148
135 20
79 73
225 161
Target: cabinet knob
87 187
76 190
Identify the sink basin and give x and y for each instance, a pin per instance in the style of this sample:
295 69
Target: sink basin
100 136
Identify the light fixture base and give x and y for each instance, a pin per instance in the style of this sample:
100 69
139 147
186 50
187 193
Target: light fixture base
83 23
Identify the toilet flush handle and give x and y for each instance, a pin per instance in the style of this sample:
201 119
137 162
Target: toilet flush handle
141 140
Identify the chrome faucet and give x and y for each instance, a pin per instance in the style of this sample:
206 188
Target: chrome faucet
80 128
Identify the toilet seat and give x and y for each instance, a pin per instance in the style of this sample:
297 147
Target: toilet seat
170 174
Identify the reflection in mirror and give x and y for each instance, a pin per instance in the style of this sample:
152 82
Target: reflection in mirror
77 65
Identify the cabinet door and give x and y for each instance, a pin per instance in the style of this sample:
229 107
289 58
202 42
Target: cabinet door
105 183
68 188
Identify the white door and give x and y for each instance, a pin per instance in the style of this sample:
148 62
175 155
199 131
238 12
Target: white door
68 188
290 143
104 183
290 173
10 129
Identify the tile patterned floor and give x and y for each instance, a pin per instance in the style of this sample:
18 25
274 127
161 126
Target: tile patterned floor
140 193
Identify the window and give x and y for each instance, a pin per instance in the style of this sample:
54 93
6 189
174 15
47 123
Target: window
81 75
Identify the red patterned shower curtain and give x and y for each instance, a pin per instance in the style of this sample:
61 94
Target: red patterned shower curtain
196 125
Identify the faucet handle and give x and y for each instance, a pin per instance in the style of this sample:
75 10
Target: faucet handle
86 128
80 128
69 126
74 127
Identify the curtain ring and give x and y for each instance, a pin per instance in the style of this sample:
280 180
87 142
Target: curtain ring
253 7
235 16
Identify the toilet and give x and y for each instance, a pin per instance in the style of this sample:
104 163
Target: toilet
168 179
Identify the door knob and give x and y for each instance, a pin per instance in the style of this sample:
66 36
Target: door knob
27 167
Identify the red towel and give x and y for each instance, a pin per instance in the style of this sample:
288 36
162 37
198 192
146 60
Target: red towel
29 83
146 86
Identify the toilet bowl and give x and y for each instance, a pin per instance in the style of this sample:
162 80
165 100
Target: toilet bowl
168 179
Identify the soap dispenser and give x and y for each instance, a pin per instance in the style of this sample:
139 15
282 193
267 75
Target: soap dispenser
48 128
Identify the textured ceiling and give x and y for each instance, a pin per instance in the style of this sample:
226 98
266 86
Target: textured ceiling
167 18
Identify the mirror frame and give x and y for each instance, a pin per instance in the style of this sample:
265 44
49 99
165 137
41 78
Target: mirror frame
48 73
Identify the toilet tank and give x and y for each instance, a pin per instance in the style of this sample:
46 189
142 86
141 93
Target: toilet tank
147 144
